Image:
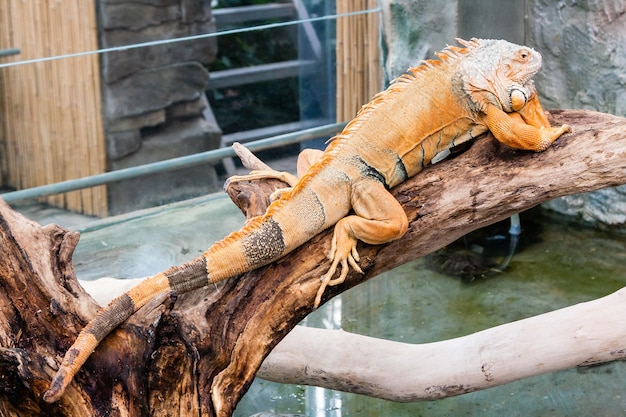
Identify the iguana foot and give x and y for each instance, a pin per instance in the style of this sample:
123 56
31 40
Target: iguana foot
279 193
343 252
286 177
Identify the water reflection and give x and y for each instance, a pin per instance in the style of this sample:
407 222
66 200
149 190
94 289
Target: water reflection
321 402
565 265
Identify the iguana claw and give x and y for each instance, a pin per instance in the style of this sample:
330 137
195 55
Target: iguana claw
350 257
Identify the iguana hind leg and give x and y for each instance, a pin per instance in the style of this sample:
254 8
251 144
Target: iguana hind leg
287 177
378 218
306 158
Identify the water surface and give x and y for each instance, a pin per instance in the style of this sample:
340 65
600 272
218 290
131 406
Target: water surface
558 265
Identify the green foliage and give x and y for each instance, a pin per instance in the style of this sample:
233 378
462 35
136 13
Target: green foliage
256 105
255 48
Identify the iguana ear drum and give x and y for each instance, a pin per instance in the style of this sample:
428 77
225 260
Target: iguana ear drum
518 99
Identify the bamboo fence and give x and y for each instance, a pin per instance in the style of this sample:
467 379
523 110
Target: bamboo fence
359 67
51 126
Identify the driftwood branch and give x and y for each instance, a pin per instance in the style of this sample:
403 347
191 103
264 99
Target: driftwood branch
198 353
581 335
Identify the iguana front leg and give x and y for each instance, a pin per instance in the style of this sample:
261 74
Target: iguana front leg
378 218
526 129
533 114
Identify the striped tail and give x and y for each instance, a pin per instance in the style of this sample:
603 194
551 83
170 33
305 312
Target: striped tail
261 241
183 278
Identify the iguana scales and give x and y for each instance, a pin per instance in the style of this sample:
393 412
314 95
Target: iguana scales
485 85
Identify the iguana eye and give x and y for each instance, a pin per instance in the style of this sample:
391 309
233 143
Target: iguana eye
524 53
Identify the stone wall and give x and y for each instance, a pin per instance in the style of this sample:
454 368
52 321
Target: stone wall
413 30
584 48
153 97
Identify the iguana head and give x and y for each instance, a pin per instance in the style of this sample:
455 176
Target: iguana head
498 72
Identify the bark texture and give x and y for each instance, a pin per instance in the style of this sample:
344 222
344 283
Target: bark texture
196 355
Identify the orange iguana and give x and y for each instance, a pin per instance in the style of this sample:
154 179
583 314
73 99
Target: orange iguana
484 86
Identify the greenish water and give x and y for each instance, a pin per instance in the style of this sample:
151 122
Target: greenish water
558 264
562 265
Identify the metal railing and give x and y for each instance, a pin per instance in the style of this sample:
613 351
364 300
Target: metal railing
9 52
170 164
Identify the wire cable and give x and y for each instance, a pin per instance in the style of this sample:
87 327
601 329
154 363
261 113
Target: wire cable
190 38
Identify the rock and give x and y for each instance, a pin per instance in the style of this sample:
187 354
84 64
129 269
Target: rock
154 89
158 3
413 30
187 109
154 103
490 19
120 64
584 53
129 23
120 144
177 139
584 67
602 207
136 122
137 16
195 10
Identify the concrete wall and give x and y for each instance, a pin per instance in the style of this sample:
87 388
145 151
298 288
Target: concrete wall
583 44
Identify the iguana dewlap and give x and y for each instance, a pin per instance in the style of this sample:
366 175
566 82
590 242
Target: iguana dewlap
484 86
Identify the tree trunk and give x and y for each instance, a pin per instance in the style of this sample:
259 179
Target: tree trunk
198 353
